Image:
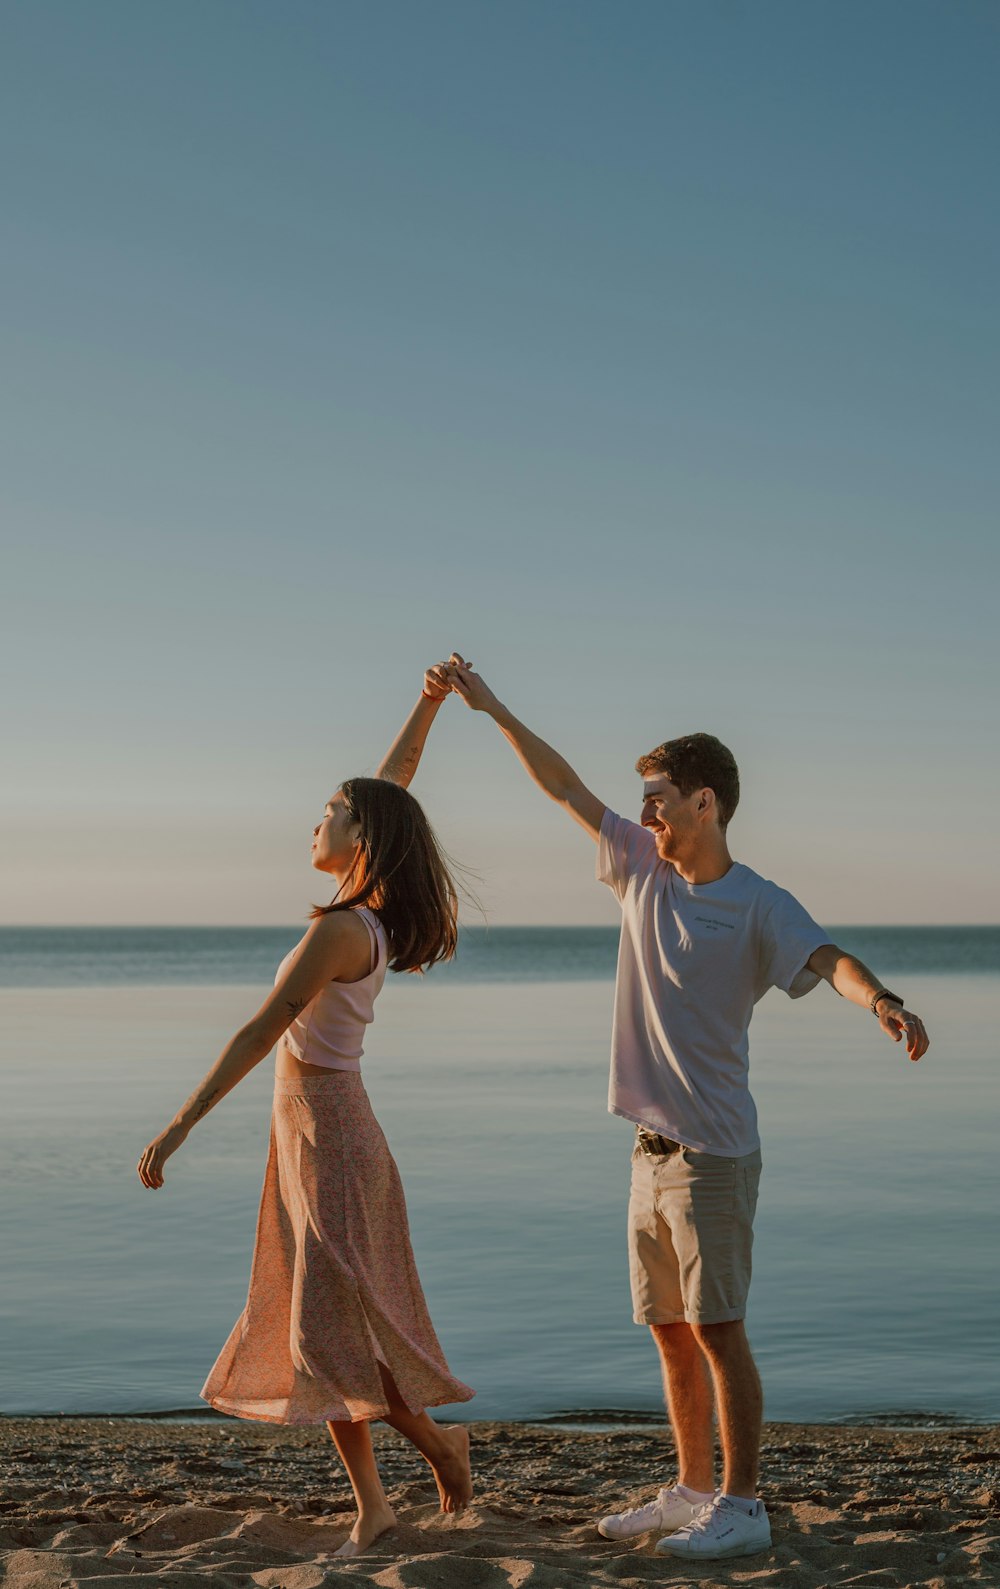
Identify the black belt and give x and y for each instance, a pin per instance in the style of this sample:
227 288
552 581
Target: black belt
655 1146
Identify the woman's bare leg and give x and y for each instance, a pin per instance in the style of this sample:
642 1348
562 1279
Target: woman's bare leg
445 1450
375 1515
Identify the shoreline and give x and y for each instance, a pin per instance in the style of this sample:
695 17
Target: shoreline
229 1503
597 1419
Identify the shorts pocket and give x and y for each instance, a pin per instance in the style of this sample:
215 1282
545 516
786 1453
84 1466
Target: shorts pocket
751 1186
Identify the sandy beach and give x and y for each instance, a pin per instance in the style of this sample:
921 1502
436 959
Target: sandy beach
109 1502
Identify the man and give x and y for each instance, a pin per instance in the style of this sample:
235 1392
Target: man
703 938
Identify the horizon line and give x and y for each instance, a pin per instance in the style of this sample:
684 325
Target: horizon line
507 926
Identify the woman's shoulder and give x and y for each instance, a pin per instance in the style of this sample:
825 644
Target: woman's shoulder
338 927
343 940
354 941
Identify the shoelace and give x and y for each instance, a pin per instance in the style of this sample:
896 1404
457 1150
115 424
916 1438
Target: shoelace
640 1511
703 1522
701 1516
652 1508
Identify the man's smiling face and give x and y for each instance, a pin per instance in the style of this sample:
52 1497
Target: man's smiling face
670 816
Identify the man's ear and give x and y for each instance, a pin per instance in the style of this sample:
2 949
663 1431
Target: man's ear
706 802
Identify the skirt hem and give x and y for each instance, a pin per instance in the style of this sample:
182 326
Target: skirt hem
334 1290
235 1410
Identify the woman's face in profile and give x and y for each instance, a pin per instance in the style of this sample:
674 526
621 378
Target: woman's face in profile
335 838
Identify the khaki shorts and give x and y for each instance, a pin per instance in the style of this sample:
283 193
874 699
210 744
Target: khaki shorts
690 1234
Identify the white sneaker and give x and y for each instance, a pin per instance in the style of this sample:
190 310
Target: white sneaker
669 1510
721 1529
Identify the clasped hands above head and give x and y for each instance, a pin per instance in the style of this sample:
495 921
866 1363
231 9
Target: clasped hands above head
442 676
456 676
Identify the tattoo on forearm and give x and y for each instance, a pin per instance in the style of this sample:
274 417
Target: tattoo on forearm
403 764
206 1103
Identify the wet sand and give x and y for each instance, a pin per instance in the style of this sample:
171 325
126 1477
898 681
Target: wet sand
111 1502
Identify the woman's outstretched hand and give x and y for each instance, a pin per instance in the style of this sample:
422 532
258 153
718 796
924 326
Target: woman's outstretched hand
437 684
154 1157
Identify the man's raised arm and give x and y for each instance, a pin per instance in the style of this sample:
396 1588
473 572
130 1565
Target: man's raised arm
549 770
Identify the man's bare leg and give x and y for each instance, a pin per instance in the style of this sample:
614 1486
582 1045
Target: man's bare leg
687 1385
739 1400
446 1451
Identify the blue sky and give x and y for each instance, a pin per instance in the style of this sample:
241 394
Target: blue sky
647 354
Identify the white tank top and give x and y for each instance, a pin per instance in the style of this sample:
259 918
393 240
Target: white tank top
330 1030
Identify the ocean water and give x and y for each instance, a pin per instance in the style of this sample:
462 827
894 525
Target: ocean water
875 1289
55 957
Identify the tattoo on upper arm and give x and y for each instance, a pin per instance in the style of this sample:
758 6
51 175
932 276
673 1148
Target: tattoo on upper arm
206 1103
295 1007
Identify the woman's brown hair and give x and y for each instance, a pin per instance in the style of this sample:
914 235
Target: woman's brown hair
400 874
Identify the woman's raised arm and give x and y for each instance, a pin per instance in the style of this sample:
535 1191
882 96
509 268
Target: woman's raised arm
402 758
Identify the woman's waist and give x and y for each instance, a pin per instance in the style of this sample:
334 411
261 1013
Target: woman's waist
318 1080
289 1064
308 1052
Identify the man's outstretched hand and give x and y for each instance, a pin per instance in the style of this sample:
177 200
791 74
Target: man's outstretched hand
473 690
903 1027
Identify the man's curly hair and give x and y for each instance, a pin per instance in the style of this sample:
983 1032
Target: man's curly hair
697 761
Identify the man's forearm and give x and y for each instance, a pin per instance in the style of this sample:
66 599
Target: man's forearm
550 771
402 759
853 980
847 975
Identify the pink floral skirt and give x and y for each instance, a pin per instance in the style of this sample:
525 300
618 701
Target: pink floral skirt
334 1289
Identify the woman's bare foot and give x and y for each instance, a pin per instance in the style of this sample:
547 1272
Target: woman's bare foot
452 1471
366 1531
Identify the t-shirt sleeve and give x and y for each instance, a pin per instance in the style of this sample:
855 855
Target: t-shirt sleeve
623 848
789 937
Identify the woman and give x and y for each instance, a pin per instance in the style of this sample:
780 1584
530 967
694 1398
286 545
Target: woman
335 1329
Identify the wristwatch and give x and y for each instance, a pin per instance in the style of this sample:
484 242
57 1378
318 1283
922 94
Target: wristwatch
883 993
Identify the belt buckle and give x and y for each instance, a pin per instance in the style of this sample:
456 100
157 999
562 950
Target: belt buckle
655 1146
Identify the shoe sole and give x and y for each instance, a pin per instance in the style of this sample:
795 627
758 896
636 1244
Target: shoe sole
656 1529
638 1535
755 1549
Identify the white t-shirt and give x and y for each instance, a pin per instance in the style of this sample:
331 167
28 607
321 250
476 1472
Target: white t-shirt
692 963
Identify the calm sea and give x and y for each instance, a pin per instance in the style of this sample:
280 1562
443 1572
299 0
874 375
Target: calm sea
65 957
875 1289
